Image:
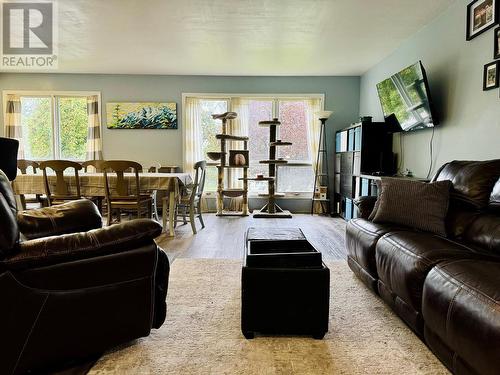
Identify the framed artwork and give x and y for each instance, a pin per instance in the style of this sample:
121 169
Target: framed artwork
238 158
496 44
490 75
141 115
481 16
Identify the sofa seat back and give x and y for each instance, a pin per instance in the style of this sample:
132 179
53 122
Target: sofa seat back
474 213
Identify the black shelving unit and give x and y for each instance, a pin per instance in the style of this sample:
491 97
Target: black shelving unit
361 150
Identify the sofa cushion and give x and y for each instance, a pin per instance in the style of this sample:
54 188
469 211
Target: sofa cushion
413 204
361 238
404 259
458 219
472 181
484 233
461 309
365 205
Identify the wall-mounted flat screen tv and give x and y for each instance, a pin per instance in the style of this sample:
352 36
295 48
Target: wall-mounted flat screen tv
406 99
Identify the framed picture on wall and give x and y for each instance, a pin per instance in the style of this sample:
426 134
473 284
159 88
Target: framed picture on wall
481 16
490 75
496 45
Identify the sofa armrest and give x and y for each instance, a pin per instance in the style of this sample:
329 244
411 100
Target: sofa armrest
72 217
72 247
365 205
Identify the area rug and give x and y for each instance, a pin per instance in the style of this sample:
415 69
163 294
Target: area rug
202 333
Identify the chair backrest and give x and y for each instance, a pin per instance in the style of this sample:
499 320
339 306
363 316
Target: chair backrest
168 169
62 189
199 179
95 166
164 169
121 185
23 165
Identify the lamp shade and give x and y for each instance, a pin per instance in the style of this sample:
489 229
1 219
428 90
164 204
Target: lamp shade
324 115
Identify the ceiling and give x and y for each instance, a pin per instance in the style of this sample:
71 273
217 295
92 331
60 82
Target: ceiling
235 37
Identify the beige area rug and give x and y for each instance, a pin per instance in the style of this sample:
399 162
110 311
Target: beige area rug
202 333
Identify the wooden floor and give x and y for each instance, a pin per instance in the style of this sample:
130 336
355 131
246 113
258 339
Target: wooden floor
223 237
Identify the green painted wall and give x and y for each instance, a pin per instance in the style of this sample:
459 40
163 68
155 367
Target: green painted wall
470 125
165 146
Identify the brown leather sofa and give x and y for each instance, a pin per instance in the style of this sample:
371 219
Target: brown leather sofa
70 289
446 289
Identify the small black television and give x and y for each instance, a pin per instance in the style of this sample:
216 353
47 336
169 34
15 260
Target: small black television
406 100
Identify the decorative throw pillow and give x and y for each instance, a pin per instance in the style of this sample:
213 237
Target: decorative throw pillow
413 204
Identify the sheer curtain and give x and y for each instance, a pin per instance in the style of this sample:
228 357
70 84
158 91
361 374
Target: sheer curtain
193 140
314 128
239 126
94 140
13 128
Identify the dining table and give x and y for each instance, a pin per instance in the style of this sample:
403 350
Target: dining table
93 185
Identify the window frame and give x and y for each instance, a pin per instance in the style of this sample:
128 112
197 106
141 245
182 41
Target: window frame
275 98
54 115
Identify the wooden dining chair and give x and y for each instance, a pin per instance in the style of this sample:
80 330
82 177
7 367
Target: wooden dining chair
190 204
123 194
90 166
163 169
94 166
24 167
63 191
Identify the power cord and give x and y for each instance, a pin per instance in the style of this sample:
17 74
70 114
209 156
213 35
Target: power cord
431 152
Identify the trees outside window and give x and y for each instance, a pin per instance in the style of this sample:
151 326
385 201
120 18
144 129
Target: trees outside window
54 127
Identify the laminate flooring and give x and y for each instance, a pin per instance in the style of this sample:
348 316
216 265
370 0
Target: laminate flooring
223 237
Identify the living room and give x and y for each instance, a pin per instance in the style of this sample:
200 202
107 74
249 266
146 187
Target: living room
250 187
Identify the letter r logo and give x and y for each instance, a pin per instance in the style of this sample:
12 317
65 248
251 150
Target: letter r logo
27 28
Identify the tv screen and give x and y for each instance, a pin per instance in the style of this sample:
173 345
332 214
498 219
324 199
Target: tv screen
405 96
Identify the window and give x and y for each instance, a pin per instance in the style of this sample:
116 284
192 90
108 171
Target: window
54 125
294 113
297 176
210 128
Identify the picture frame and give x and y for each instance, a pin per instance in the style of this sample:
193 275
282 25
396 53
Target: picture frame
491 75
238 158
496 43
141 115
481 16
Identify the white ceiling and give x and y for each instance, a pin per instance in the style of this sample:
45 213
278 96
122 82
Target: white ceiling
235 37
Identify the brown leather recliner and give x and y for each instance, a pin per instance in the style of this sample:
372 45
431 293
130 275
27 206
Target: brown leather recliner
72 289
446 289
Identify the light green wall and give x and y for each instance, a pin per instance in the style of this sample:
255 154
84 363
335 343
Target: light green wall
165 146
470 127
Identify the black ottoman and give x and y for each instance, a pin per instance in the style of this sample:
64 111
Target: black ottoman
285 286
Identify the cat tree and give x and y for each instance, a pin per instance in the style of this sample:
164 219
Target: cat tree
271 209
238 159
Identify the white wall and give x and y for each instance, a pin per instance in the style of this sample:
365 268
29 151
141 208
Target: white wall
470 118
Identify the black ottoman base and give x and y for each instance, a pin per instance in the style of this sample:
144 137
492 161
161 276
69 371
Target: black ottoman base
285 301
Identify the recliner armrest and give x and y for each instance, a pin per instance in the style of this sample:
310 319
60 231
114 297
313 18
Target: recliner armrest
365 205
71 247
71 217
